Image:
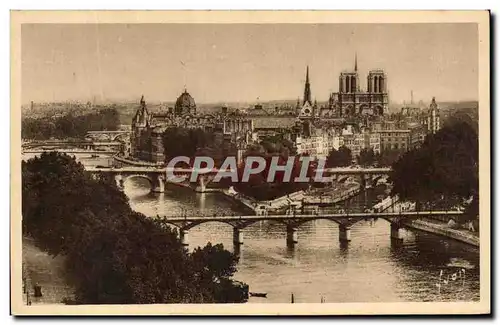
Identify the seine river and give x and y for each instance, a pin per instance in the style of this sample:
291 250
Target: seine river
368 269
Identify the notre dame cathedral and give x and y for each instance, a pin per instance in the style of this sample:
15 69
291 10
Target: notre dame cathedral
350 100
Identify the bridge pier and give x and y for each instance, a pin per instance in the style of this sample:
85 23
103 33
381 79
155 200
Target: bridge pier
291 236
344 233
396 231
362 181
120 183
183 234
201 186
158 184
237 237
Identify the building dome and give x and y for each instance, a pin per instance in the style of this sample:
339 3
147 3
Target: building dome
185 104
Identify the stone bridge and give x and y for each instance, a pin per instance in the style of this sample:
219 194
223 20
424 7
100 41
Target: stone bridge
292 222
367 177
157 177
121 135
40 146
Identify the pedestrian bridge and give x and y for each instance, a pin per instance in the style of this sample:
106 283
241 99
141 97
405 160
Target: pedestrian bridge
345 221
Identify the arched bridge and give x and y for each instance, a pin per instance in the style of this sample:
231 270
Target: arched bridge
292 222
157 177
120 135
367 177
84 146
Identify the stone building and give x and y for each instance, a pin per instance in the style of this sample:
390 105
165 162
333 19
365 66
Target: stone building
351 100
433 119
231 133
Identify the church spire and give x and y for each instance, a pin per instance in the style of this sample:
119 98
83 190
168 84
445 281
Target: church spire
356 62
307 88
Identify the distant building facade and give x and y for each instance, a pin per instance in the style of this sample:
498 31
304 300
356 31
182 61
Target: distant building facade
231 133
350 100
433 119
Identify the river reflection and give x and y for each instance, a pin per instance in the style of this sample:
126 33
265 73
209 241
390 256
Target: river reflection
370 268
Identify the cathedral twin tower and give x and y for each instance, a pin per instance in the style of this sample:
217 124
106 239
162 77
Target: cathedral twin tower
350 100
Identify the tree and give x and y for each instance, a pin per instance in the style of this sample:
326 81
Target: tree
178 141
366 157
70 124
339 158
387 157
445 167
259 188
113 254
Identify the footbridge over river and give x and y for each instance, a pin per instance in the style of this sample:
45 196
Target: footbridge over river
292 222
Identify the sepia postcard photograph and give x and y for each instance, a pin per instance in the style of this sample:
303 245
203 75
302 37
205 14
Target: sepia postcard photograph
250 163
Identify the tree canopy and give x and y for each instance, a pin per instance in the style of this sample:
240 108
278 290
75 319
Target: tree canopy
113 254
339 158
367 157
69 125
178 141
445 167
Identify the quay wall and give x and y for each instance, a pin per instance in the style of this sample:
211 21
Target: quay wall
444 231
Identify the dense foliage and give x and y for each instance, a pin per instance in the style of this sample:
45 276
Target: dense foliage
113 254
388 157
69 126
278 145
444 168
339 158
257 186
260 189
178 141
367 157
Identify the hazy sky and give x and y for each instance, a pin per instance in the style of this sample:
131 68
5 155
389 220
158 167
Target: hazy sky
224 63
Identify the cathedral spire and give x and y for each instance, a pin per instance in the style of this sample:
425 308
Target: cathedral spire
307 88
356 62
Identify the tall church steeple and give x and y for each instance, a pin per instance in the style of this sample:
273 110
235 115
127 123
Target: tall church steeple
356 62
307 89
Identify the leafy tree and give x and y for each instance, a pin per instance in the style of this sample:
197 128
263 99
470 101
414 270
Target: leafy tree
445 167
366 157
69 125
387 157
113 254
339 158
178 141
259 188
278 145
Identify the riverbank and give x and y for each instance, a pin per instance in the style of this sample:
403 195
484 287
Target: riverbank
46 271
442 229
296 200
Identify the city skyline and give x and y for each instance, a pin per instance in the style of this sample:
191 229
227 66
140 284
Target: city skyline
120 62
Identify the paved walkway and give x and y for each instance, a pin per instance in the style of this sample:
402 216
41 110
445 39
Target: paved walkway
48 272
439 227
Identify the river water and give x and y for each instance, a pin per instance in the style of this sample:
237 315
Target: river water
368 269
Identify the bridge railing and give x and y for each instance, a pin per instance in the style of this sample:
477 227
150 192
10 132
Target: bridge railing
345 214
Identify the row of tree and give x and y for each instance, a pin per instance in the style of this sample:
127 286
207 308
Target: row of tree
444 170
69 126
113 254
367 157
178 141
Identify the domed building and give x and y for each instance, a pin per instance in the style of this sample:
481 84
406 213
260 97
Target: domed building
185 104
148 127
